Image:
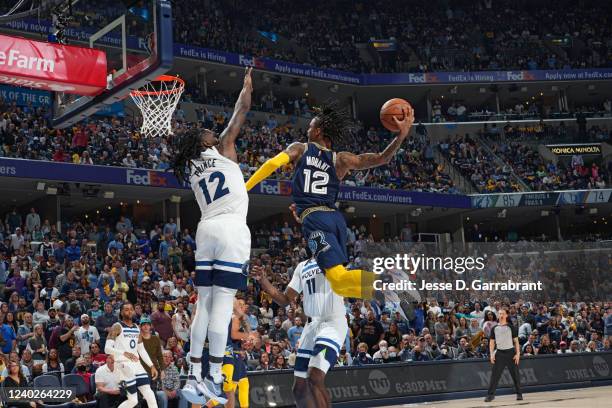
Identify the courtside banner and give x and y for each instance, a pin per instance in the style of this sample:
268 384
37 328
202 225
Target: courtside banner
51 67
414 379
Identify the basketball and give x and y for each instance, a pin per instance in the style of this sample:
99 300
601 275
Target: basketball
394 107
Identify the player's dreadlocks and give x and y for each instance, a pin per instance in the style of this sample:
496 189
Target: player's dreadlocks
186 148
335 121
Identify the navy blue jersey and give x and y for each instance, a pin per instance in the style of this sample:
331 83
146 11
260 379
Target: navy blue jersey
315 181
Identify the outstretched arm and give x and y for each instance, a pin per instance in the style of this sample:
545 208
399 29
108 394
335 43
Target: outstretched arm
227 141
291 154
290 295
346 161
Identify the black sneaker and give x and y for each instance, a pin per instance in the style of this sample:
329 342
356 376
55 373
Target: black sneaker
489 398
519 397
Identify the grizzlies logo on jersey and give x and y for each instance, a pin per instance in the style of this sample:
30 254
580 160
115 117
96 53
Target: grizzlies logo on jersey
317 243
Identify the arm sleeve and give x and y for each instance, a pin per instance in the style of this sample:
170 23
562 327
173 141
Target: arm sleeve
142 352
109 348
492 333
267 168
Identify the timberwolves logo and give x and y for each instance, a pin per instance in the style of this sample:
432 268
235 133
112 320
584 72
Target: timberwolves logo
379 383
317 243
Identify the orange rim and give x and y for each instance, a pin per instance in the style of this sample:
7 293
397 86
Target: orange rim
162 78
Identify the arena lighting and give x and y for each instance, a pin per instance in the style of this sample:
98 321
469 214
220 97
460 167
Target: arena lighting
482 90
40 186
523 89
545 213
350 209
232 74
52 190
175 199
591 87
593 210
554 88
109 194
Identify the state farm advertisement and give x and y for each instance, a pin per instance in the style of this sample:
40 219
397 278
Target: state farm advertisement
52 67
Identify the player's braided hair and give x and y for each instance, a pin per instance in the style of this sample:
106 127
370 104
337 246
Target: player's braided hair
187 147
334 120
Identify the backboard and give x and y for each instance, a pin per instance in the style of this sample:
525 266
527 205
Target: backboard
136 36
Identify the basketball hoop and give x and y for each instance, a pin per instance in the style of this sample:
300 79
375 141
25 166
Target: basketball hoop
157 101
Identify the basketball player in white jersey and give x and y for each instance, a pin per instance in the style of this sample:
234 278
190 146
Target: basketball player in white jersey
208 162
322 337
124 342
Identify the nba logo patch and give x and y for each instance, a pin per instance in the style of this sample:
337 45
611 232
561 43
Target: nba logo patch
317 243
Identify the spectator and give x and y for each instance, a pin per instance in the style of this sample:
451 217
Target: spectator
362 357
16 379
108 392
86 334
170 380
162 322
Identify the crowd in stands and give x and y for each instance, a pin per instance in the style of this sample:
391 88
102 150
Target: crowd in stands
478 166
24 133
457 112
429 36
61 292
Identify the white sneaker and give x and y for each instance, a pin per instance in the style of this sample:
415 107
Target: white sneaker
191 394
212 390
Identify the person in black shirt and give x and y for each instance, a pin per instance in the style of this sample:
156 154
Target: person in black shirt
66 340
504 338
15 379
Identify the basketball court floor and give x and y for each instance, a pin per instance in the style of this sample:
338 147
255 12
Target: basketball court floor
592 397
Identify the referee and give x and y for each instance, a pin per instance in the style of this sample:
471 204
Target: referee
505 337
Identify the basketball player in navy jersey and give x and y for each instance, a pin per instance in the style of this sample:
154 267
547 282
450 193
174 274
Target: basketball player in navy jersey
316 183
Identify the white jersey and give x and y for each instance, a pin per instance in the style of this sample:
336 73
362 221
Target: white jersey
127 340
320 301
218 185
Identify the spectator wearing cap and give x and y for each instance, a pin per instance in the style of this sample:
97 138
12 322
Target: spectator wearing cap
108 392
86 334
153 346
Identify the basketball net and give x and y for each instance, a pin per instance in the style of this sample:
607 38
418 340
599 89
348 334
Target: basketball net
157 101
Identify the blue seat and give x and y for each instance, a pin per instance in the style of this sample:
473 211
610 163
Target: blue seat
43 381
82 388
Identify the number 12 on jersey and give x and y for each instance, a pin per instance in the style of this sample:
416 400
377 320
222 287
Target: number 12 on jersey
220 191
317 183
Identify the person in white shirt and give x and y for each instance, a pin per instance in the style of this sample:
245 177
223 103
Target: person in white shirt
86 334
108 392
32 220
